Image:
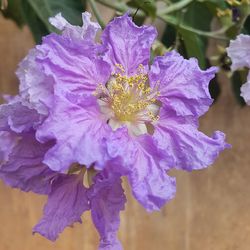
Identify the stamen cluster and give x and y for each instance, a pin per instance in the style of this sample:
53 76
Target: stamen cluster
129 98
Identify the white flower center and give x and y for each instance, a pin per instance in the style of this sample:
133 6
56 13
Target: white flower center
129 100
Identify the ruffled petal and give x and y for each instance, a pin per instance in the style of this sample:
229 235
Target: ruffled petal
128 44
151 185
107 200
8 141
24 168
78 128
85 33
17 116
239 52
66 203
35 87
183 86
245 90
72 65
190 149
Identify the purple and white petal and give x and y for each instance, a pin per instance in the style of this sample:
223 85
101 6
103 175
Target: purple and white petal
239 52
85 33
72 65
190 149
18 117
78 128
128 44
107 200
7 142
23 167
35 87
151 185
183 86
66 203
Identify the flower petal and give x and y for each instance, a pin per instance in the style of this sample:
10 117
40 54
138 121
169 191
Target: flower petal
84 33
6 145
72 65
189 148
128 44
151 185
17 117
239 52
24 168
35 87
183 86
66 203
78 128
107 200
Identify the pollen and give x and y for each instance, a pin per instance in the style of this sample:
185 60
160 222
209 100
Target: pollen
129 99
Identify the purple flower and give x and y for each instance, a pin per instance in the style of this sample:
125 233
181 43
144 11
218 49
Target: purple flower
239 52
101 111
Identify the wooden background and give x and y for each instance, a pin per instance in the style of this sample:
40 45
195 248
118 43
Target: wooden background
211 210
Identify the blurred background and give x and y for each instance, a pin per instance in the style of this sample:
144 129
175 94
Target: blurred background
211 210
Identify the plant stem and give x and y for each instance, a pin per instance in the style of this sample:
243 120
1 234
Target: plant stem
175 7
212 34
96 13
171 19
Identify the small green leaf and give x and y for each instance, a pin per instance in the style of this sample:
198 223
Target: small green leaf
45 9
212 5
14 12
195 46
38 12
37 27
169 36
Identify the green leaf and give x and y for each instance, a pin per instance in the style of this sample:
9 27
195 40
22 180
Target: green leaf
38 12
212 5
36 25
70 9
198 16
246 28
14 12
195 47
169 36
148 6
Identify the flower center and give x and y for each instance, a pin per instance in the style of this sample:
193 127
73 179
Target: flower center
129 100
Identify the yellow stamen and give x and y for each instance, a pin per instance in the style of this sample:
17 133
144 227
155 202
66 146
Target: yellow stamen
129 99
222 13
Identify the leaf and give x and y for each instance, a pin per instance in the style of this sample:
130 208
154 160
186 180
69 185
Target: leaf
35 24
14 12
169 36
70 9
246 28
195 47
148 6
212 5
38 12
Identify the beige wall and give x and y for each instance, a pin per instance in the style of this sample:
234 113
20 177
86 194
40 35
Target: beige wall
210 212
